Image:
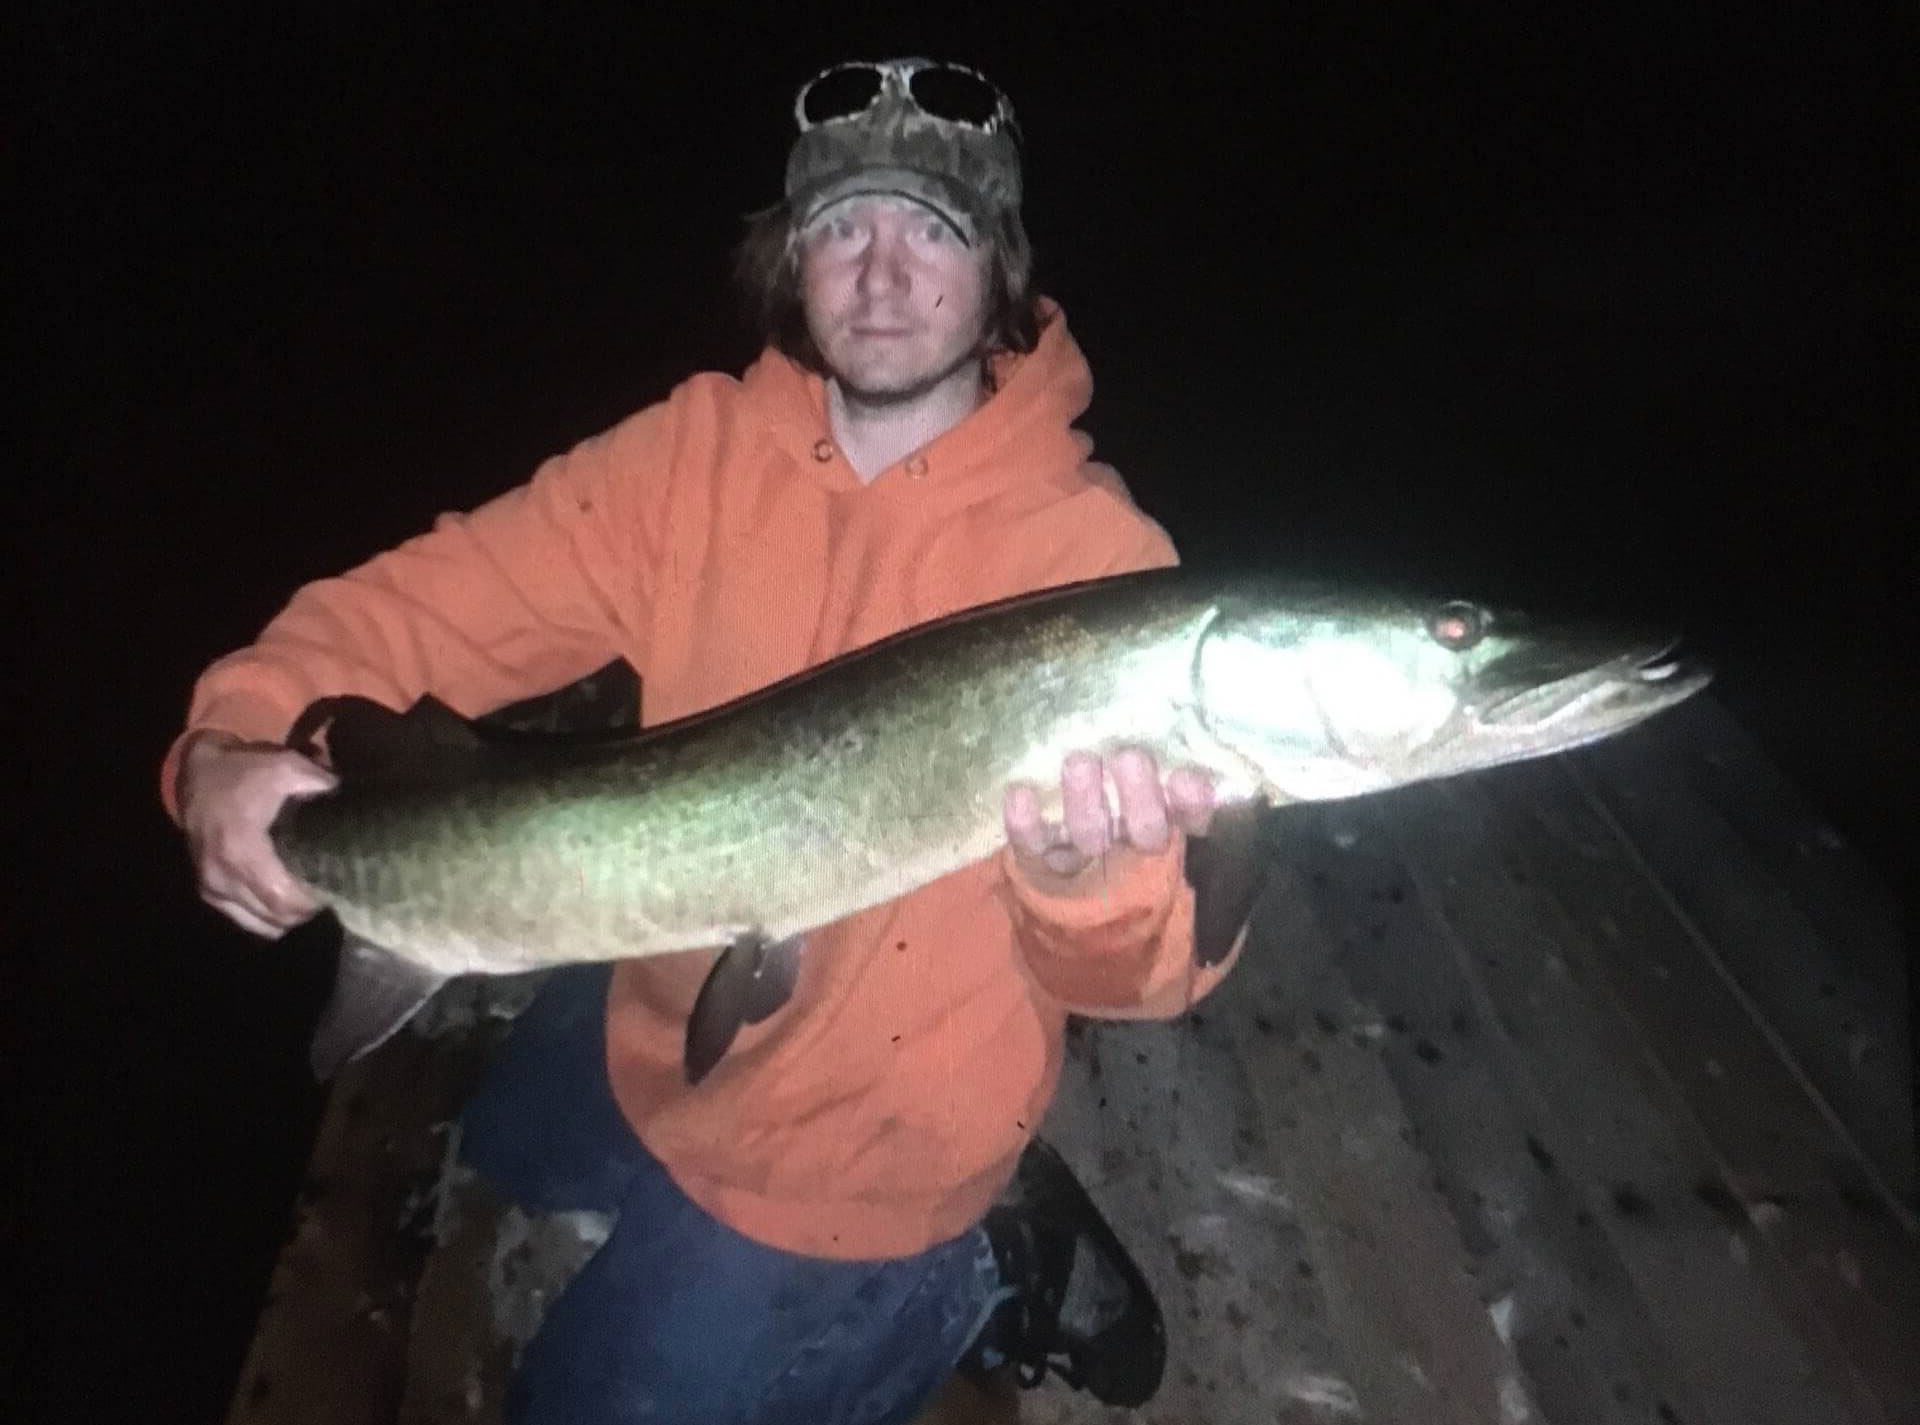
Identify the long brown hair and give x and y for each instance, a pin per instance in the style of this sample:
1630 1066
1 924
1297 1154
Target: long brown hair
766 272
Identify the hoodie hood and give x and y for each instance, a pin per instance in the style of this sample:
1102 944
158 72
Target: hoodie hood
1036 399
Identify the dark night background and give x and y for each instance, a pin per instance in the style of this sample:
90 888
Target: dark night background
1599 309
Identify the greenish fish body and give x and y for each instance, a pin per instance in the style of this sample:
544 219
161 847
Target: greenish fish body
856 782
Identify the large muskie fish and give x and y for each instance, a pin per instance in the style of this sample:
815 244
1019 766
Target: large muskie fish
859 780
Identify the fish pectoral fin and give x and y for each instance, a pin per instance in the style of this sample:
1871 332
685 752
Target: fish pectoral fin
775 973
375 992
753 977
1228 868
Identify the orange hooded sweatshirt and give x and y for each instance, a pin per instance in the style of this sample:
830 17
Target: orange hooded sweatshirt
719 541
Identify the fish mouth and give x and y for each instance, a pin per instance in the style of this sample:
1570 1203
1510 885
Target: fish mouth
1669 664
1671 661
1620 689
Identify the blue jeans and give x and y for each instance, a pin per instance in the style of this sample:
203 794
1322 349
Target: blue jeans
677 1317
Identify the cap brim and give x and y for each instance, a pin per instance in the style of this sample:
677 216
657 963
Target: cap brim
921 188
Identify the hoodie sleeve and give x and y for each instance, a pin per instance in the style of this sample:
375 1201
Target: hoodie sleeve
531 590
1116 940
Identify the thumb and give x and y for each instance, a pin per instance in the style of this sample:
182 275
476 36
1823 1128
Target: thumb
307 777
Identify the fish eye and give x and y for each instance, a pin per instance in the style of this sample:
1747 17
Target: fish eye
1458 624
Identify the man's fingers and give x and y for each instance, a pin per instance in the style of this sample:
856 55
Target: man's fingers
284 895
285 898
224 882
1025 827
250 919
310 778
1083 790
1143 807
1141 812
1190 800
293 774
246 874
1033 837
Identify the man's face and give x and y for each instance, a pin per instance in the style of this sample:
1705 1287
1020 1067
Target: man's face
895 299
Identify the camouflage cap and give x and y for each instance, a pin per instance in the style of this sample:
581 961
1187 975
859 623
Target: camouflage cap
968 172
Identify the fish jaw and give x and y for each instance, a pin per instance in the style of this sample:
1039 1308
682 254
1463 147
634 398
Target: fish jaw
1566 714
1608 697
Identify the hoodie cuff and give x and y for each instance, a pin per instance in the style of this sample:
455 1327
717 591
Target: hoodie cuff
1106 940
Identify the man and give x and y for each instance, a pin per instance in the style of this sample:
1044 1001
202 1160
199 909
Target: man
804 1232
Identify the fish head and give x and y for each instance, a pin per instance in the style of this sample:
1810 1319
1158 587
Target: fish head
1329 695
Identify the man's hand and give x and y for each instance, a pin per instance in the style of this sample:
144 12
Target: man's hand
1147 809
230 792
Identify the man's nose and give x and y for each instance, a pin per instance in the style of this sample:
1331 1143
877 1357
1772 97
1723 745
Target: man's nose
882 270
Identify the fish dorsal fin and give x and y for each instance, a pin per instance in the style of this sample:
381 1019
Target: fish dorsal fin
605 702
363 740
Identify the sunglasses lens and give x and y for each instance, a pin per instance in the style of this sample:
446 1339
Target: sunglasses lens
840 94
955 95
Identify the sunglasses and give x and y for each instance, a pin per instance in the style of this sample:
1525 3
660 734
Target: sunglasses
949 92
